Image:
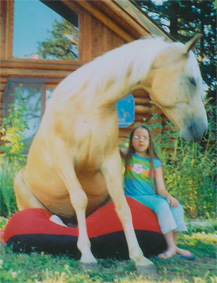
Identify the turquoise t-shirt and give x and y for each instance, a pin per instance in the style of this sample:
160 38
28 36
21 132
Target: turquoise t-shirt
137 177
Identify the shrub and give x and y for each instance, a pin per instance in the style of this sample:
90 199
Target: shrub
8 171
13 127
190 168
12 158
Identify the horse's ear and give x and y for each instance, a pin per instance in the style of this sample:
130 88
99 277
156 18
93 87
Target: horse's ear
190 45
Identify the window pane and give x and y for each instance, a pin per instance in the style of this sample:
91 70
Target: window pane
42 32
49 92
31 92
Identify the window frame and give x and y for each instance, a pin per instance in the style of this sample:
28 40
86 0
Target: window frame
7 44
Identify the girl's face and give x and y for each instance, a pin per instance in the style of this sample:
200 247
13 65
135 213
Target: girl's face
140 142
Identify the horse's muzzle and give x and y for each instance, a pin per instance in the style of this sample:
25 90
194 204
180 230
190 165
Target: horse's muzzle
194 131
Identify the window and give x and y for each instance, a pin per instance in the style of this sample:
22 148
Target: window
45 30
34 92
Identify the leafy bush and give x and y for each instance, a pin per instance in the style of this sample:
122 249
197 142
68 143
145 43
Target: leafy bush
13 127
11 158
8 171
190 168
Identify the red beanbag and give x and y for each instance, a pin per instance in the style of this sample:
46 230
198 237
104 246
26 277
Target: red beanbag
31 230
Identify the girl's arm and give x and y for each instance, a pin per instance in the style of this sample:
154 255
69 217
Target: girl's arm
123 152
161 188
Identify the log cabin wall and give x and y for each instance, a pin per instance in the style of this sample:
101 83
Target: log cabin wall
103 25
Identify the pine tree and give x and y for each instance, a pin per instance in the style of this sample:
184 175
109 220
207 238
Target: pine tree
182 19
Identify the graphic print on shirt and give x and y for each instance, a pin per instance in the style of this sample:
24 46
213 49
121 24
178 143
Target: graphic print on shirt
138 168
139 177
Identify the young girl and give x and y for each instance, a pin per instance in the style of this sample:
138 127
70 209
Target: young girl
144 181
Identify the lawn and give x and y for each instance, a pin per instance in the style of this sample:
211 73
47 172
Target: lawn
34 267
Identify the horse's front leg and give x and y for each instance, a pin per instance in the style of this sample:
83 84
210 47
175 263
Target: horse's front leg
64 168
112 172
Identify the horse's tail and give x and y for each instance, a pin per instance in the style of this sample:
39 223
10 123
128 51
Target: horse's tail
24 197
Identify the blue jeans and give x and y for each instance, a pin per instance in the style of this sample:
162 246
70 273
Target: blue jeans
169 218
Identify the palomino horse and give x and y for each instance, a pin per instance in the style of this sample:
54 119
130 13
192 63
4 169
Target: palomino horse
74 163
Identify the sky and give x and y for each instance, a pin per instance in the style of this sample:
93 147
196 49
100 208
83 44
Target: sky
157 1
32 19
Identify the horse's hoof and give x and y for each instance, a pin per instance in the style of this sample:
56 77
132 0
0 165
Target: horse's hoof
84 267
148 271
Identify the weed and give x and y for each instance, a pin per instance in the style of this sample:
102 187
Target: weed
189 168
12 158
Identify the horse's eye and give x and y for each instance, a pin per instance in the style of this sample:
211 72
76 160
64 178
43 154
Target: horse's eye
192 81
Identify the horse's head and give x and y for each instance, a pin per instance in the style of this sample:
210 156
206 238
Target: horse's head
175 85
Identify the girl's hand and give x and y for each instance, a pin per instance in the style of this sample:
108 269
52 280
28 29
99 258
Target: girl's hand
123 152
172 201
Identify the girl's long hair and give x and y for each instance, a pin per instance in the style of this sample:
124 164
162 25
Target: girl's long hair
150 151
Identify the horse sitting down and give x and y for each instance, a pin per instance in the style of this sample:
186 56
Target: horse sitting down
74 163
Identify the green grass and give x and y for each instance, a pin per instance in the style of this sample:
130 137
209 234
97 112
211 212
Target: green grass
35 267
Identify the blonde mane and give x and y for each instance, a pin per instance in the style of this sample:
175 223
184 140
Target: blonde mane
133 58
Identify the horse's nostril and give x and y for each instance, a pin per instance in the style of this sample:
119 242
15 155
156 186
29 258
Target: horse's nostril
194 132
198 131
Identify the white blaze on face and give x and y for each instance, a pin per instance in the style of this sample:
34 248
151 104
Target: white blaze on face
193 74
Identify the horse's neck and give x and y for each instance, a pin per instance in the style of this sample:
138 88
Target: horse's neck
112 76
126 68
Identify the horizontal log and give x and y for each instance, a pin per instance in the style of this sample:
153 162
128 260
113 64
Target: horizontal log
140 93
144 110
143 101
123 138
40 65
129 128
3 80
2 87
140 118
57 74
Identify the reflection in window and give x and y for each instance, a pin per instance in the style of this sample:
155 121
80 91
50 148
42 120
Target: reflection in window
45 30
49 92
33 92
